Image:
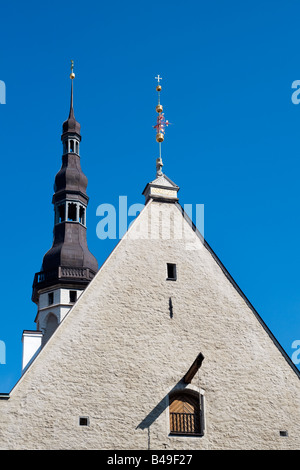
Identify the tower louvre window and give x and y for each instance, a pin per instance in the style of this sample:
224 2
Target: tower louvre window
60 213
72 211
72 146
82 215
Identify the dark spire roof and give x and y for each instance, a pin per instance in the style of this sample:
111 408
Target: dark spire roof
69 261
71 125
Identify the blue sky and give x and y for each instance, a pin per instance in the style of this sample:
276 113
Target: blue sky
234 143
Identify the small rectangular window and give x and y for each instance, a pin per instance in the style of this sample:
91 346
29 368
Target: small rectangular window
50 298
73 296
84 421
171 272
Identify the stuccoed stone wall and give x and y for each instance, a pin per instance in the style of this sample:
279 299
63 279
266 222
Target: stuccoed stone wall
118 353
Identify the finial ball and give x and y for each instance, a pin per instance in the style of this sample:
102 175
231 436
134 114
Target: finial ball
72 75
158 88
159 108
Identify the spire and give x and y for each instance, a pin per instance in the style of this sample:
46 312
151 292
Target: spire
69 261
162 188
72 76
161 123
69 266
71 125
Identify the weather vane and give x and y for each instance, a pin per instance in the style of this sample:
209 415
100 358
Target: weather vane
160 126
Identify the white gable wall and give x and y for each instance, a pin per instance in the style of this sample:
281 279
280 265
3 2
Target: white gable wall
118 353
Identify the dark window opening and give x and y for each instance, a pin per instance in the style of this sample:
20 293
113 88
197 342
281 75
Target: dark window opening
50 298
61 213
72 210
82 215
77 148
283 433
171 272
186 414
84 421
72 146
73 296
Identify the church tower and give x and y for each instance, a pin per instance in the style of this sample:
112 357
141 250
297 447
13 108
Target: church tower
68 266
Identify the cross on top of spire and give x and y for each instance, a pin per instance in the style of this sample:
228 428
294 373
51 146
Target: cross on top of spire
161 122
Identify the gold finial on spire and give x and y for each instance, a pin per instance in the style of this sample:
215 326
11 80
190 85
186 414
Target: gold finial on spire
72 74
161 124
159 107
158 78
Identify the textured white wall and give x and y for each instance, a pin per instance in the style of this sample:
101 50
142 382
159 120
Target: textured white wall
118 353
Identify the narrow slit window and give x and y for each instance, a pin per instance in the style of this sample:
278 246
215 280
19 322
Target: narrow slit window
50 298
82 215
171 272
72 146
77 148
73 296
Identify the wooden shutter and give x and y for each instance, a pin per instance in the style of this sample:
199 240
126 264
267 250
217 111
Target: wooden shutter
184 414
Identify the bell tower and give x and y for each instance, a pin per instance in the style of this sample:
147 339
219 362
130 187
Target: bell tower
68 266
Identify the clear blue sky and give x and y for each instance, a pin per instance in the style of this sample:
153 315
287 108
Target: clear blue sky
234 145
